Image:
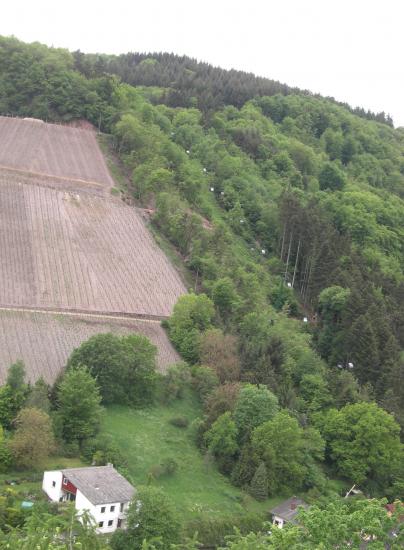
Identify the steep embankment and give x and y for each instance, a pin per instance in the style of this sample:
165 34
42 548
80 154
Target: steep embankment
69 247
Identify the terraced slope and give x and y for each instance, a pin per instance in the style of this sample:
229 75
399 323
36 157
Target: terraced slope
44 341
33 146
68 247
77 251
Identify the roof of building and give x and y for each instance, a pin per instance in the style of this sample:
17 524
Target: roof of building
287 510
101 484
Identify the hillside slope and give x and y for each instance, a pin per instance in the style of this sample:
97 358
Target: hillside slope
287 209
68 245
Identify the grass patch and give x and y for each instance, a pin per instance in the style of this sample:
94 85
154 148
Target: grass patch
116 170
146 438
28 484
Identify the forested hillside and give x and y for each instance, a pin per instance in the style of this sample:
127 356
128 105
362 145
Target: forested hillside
288 211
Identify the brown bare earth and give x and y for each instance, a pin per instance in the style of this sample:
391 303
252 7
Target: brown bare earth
70 250
67 245
51 149
44 341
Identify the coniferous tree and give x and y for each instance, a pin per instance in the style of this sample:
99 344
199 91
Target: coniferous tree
362 350
259 483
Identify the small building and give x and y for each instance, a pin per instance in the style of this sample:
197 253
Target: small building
100 490
287 511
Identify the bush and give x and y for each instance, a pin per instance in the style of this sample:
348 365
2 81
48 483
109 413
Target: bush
170 466
179 421
152 515
198 429
103 450
6 457
204 380
167 467
71 449
212 531
175 382
193 314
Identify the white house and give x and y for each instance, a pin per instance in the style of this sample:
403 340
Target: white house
287 511
100 490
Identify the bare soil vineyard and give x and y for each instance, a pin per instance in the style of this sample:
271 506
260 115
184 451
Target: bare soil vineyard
51 149
67 250
44 341
67 244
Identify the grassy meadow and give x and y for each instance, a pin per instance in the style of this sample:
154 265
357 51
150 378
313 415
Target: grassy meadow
146 438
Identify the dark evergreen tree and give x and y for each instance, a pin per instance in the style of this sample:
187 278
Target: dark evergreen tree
259 483
362 350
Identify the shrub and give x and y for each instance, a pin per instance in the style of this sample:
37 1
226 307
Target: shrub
192 315
167 467
175 382
6 457
102 450
198 429
179 421
71 449
212 531
152 515
204 380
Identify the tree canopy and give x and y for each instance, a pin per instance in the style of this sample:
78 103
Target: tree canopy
124 366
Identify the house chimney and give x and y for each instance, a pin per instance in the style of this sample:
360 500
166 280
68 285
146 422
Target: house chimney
293 503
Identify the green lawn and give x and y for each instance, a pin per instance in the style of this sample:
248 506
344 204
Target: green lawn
146 437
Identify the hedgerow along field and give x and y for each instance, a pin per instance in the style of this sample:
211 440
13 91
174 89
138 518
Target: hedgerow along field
68 245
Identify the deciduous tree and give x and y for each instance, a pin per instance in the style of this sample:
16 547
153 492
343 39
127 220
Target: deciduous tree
33 440
255 405
79 405
362 442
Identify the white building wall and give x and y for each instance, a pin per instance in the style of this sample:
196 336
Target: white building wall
278 521
82 503
52 484
102 513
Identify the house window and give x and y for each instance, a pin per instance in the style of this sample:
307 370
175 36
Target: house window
102 509
64 481
112 509
111 521
119 523
101 524
121 507
53 483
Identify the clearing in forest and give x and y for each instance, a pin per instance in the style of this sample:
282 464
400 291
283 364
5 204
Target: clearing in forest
146 439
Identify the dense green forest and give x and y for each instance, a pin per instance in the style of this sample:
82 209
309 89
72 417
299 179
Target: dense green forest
287 209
